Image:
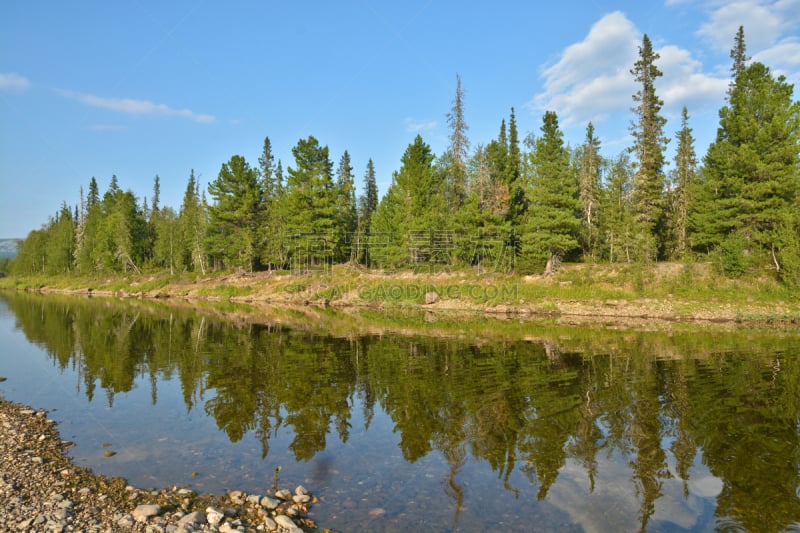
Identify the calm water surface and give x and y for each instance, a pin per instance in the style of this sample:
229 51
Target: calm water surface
484 426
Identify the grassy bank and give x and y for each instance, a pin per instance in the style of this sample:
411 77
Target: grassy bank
662 291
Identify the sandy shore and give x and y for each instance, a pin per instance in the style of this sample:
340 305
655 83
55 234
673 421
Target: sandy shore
42 490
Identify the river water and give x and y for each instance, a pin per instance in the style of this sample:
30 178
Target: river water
421 423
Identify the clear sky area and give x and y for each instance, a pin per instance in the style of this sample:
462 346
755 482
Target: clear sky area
139 88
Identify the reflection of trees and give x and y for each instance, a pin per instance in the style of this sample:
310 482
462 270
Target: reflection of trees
517 405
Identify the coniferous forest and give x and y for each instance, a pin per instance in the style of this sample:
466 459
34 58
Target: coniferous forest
508 204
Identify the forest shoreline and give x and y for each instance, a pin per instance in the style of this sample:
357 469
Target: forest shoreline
609 297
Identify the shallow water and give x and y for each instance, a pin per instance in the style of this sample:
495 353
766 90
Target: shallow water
486 426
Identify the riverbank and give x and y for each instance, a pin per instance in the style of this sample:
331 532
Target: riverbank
582 293
42 490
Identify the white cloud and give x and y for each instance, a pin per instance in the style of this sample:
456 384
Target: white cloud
591 78
684 82
12 81
771 28
416 126
785 54
761 24
592 81
137 107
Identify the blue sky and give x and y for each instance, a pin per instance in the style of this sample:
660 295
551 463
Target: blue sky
140 88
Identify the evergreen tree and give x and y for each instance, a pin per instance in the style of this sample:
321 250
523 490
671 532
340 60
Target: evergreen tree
747 195
310 199
412 208
514 154
236 214
589 165
739 58
616 218
192 228
346 213
367 204
682 183
94 194
266 162
649 145
271 236
156 194
458 151
763 129
387 245
166 239
60 242
80 229
552 222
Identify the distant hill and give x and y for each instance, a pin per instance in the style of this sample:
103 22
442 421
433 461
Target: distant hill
8 247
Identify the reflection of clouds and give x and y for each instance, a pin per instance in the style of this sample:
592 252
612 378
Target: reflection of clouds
614 504
706 487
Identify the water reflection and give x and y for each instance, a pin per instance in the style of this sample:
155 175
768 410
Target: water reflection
581 429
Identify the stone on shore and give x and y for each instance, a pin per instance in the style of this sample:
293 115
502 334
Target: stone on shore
143 512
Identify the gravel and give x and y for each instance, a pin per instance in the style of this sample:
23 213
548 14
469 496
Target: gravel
42 490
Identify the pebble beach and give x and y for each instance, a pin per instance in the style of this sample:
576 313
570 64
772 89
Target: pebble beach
42 490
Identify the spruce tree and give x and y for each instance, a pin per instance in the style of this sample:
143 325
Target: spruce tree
367 204
589 167
649 146
346 213
458 151
413 207
681 187
236 213
751 173
616 218
552 222
191 223
310 200
739 58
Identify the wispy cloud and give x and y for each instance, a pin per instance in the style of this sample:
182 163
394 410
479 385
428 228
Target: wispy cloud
591 80
137 107
771 31
11 81
416 126
764 22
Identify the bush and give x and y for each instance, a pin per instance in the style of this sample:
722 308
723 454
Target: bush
732 260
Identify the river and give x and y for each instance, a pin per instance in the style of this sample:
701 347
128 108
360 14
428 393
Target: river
420 422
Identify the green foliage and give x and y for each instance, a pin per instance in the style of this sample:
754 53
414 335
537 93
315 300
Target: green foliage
311 206
732 259
236 213
751 178
589 167
649 146
679 198
413 203
552 223
498 205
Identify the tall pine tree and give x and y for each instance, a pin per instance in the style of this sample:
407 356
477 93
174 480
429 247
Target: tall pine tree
649 145
589 167
681 187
